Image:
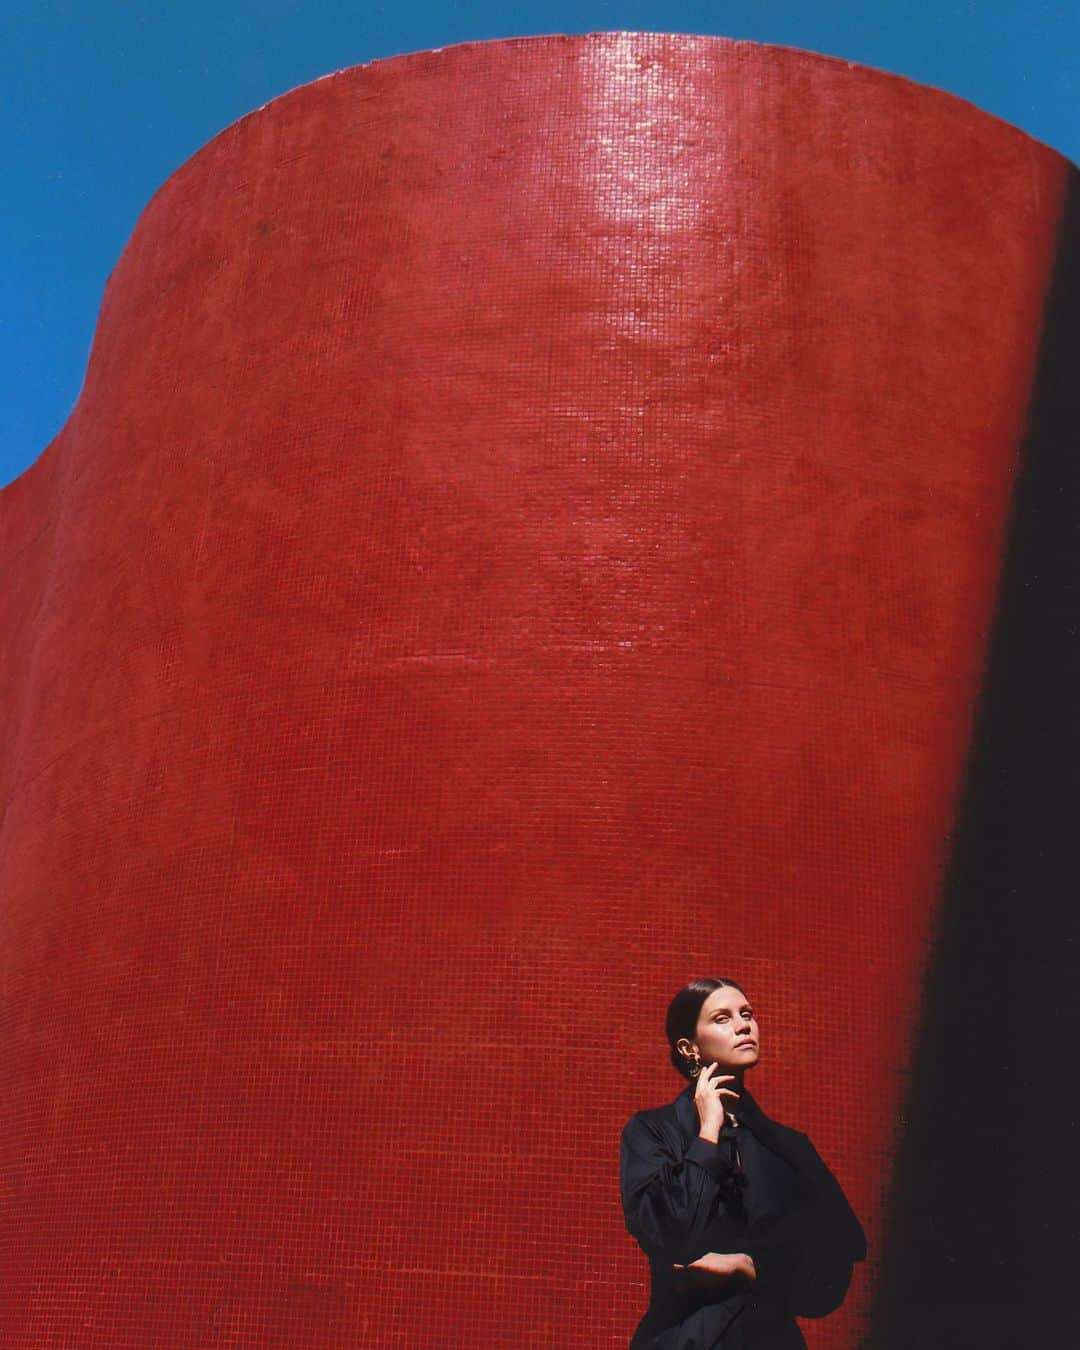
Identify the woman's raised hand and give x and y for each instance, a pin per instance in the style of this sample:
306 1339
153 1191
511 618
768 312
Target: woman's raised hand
709 1099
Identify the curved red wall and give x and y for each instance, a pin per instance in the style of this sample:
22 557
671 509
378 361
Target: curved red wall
528 538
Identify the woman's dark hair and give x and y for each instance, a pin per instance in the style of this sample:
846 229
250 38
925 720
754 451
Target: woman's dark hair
682 1015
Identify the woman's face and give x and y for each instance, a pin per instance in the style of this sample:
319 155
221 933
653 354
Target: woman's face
727 1031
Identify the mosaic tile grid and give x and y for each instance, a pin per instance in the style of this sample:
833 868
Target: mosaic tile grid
527 539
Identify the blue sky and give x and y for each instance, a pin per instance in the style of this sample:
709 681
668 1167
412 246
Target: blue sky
103 100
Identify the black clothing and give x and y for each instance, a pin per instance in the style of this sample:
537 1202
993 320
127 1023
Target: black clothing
684 1196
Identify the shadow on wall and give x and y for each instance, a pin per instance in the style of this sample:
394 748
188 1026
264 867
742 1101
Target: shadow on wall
983 1243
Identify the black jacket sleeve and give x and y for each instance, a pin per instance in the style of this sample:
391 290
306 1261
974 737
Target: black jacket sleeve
671 1193
807 1255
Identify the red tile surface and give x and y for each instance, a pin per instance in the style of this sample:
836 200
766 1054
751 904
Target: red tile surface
528 538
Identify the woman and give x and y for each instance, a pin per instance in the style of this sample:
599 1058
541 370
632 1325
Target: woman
744 1226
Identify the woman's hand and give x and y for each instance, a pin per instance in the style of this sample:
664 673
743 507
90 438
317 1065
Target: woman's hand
709 1099
719 1268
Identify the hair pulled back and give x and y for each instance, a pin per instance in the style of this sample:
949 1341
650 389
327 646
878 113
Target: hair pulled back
682 1015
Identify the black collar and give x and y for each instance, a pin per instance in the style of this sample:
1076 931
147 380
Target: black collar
747 1112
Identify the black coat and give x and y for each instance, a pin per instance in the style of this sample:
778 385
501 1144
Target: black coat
682 1198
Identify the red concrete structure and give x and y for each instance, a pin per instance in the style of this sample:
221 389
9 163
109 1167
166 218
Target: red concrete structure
530 536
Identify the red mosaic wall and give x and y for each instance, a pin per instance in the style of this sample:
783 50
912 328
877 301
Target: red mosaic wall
528 538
